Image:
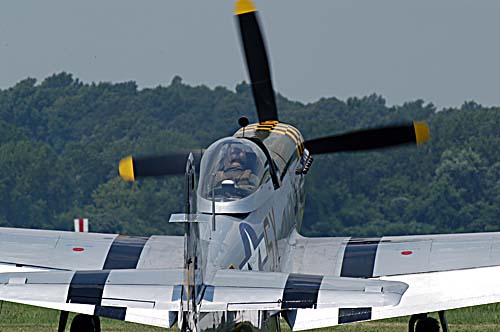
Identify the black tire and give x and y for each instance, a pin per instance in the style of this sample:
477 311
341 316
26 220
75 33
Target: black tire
83 323
427 324
97 323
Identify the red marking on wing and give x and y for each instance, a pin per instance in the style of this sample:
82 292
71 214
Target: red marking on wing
406 252
78 249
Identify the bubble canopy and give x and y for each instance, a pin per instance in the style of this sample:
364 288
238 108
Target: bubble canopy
231 169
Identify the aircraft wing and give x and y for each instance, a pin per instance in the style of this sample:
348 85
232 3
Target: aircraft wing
442 272
31 250
149 297
153 297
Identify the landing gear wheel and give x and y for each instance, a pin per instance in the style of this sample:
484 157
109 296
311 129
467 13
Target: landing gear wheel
85 323
427 324
422 323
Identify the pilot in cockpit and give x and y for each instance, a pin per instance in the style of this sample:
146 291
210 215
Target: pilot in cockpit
237 168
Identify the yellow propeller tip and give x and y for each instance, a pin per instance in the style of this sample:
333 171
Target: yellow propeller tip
243 7
126 169
422 132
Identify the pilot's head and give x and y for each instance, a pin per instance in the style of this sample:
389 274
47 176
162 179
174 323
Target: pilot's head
237 157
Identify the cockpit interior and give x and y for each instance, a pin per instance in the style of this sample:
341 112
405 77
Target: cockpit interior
233 168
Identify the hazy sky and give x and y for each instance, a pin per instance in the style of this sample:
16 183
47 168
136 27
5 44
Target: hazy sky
443 51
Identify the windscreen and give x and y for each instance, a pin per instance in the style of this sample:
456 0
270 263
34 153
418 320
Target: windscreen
231 169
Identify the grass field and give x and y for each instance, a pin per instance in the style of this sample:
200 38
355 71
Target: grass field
17 318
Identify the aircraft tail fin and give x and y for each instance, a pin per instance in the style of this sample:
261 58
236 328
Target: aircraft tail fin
193 276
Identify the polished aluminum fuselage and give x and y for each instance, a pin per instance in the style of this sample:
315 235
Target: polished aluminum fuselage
247 234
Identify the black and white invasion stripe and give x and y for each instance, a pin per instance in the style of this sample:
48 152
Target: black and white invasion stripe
87 287
359 257
358 262
301 291
125 252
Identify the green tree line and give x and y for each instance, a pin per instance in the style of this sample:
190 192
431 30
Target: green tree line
61 140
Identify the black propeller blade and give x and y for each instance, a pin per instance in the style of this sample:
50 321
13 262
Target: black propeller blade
417 132
131 168
257 61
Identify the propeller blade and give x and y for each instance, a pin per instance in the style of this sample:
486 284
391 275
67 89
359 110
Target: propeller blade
131 168
256 60
417 132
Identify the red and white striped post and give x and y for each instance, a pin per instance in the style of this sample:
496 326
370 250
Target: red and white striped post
82 225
